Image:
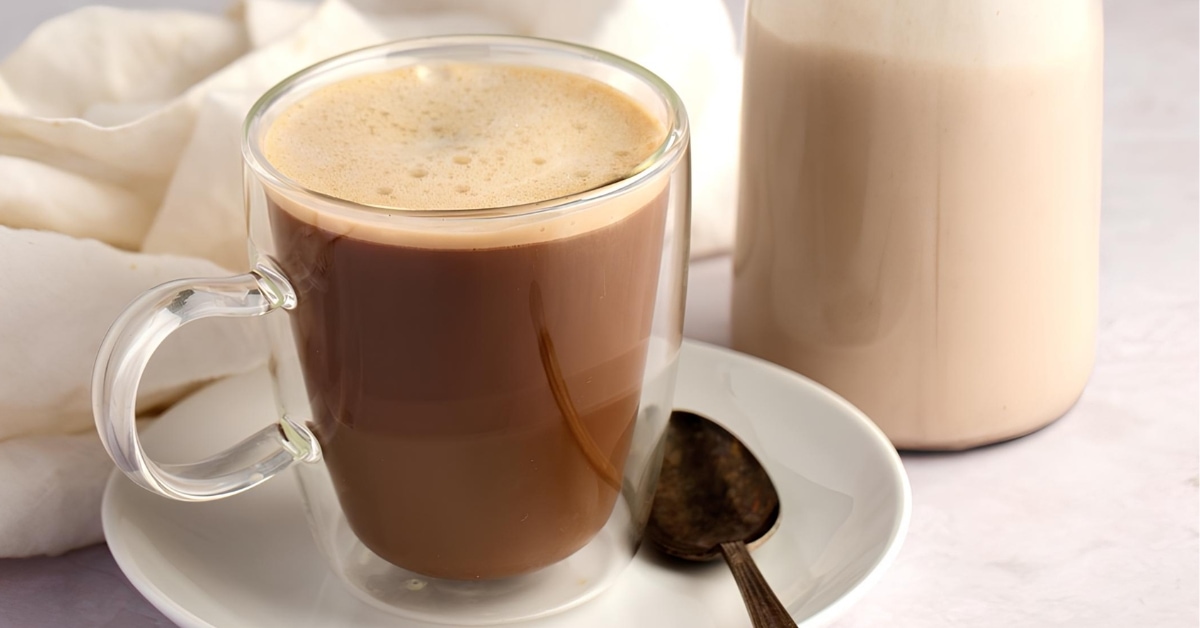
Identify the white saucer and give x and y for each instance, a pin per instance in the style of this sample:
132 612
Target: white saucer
250 561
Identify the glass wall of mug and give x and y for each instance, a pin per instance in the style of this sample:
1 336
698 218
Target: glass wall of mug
477 396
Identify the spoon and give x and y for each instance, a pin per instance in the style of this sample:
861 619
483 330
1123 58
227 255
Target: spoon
713 498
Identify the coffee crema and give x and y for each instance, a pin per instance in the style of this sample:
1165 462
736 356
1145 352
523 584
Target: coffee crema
475 383
461 136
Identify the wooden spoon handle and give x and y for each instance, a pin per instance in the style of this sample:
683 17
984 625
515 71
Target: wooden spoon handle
766 611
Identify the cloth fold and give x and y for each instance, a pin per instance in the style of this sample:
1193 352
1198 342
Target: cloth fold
121 169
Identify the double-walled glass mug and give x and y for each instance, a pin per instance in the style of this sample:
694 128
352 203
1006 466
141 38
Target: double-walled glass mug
475 398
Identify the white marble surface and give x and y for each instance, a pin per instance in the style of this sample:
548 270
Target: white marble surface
1092 522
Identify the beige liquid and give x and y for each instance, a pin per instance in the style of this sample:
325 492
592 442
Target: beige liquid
919 208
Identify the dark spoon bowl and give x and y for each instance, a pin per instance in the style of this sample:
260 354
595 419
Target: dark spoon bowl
713 499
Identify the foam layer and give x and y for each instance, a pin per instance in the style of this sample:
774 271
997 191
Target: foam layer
461 136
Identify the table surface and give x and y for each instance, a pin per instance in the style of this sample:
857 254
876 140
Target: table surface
1090 522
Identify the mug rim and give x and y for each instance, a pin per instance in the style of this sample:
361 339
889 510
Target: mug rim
664 157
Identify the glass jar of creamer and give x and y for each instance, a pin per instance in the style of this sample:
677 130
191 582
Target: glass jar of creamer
919 209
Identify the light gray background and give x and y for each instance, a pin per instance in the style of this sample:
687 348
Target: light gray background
1090 522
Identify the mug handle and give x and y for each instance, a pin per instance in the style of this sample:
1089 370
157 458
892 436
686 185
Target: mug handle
126 350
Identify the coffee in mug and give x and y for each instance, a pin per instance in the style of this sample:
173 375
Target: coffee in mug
422 355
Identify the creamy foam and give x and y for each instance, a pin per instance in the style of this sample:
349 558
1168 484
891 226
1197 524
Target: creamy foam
461 136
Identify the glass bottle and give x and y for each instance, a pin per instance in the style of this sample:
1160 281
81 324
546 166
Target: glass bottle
919 209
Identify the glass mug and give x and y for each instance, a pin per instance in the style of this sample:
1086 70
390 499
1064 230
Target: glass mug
478 429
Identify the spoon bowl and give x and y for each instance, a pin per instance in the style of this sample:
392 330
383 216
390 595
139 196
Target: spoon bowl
713 499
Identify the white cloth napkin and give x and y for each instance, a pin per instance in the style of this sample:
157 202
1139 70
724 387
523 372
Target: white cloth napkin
120 169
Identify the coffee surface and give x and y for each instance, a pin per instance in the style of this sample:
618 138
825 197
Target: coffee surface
461 136
474 396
